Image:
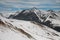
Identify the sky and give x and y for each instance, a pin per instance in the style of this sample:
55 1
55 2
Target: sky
16 5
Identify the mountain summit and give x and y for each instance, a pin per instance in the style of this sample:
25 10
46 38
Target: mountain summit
27 15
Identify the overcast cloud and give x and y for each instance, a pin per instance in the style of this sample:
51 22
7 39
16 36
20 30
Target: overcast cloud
15 5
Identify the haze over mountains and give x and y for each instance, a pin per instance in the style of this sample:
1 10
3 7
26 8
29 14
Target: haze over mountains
30 24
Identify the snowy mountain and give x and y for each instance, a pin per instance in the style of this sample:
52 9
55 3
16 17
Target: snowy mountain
47 18
30 24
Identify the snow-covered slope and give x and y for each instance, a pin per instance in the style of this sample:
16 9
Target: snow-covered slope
12 29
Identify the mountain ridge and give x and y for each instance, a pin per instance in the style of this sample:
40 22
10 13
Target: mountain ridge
36 15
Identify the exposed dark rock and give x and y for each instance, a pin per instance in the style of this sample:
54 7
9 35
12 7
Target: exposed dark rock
29 16
57 29
1 23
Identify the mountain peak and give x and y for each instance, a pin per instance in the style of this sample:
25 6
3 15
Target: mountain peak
34 8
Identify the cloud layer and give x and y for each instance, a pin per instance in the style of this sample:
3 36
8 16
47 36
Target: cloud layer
14 5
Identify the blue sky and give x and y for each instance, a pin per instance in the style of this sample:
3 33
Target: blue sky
15 5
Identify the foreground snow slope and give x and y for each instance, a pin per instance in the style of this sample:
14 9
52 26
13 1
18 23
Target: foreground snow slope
11 29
